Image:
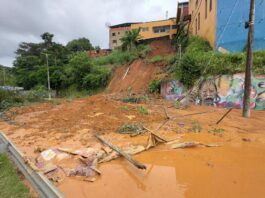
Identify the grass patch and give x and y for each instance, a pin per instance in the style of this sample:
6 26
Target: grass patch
132 129
154 86
217 131
142 110
10 183
156 59
196 127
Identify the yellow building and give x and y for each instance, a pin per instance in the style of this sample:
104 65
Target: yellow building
156 29
203 19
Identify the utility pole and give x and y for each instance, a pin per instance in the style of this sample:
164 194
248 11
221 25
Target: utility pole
248 73
48 75
4 76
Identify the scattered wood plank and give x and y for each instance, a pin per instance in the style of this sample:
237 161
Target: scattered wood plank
121 152
224 116
156 135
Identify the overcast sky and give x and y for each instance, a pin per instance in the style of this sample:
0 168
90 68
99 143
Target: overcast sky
26 20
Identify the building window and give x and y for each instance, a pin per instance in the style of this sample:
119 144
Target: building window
173 27
211 5
113 34
114 41
145 29
196 3
206 8
118 33
161 29
199 21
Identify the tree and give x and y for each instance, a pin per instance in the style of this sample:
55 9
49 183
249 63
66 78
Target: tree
131 39
30 63
79 45
47 38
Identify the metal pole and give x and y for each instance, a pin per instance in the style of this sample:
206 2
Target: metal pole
4 77
247 91
48 76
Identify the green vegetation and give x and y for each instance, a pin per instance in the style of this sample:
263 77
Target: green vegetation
124 108
196 127
6 76
154 86
133 129
142 110
130 39
169 59
10 183
199 60
217 131
80 45
13 98
72 72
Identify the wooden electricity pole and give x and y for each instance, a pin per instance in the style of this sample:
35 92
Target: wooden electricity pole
248 73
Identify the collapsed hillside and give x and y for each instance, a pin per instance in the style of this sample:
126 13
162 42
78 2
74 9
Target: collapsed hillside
134 78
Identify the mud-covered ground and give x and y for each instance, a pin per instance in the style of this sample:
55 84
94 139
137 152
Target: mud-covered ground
233 169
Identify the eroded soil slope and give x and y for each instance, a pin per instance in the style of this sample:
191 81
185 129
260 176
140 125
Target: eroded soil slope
136 77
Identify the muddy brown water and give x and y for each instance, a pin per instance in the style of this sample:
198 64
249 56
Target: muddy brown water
233 170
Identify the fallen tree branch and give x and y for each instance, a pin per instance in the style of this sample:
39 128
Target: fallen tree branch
224 116
121 152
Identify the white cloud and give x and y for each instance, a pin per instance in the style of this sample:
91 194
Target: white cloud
25 21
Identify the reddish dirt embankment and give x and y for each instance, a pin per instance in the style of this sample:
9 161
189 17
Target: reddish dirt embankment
136 77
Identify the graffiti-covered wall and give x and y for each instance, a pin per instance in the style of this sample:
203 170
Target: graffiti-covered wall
224 91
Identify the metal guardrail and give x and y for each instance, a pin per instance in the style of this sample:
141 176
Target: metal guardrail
39 182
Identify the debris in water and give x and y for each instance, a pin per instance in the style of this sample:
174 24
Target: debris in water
185 145
48 154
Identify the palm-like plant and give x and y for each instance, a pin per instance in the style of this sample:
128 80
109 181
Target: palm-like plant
130 39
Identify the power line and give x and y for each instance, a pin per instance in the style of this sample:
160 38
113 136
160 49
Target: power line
232 12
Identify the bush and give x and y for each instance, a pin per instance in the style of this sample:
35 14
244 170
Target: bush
200 61
98 77
154 86
13 98
119 57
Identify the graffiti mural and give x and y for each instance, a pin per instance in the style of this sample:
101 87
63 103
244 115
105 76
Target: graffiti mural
172 90
225 91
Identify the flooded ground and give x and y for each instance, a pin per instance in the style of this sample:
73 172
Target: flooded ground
234 169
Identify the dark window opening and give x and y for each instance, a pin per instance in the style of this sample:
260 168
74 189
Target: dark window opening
113 34
173 27
161 29
145 29
114 41
211 5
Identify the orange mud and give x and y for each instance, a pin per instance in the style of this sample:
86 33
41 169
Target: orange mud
235 169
